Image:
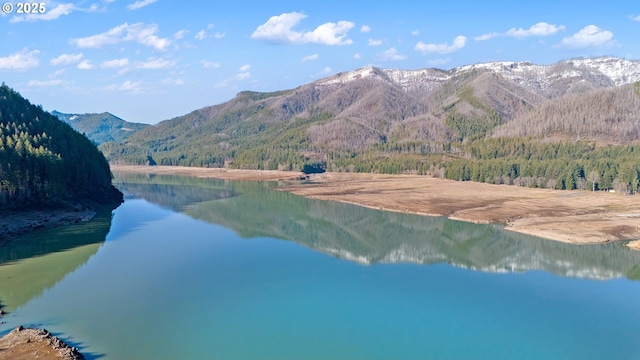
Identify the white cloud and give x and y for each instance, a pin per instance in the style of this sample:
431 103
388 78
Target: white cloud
375 42
365 28
357 56
170 81
539 29
243 76
155 64
115 63
127 86
415 32
202 34
45 83
310 58
180 34
330 34
485 37
392 54
278 29
20 61
48 14
327 70
85 65
636 18
66 59
98 6
139 32
458 43
140 4
588 36
210 65
223 83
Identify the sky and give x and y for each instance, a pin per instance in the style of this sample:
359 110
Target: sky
152 60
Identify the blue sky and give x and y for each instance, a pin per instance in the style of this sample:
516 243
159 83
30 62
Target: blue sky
151 60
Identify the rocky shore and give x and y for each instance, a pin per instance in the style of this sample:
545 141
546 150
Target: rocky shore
27 343
31 343
14 224
18 222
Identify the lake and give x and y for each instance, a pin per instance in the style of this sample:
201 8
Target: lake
191 268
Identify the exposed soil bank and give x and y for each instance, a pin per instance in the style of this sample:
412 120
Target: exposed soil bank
217 173
27 344
15 223
580 217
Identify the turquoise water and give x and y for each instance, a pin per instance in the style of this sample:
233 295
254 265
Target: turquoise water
204 269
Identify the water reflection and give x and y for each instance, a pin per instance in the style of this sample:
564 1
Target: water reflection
368 236
31 264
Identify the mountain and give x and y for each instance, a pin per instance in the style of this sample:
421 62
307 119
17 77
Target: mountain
100 128
426 121
45 161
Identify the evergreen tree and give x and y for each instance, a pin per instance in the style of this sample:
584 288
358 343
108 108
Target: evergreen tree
43 159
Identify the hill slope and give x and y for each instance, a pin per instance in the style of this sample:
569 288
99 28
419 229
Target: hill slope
43 160
446 123
608 115
100 128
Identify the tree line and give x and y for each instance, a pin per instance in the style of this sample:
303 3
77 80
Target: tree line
43 159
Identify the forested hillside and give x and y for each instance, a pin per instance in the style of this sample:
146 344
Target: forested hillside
100 128
575 124
607 115
43 160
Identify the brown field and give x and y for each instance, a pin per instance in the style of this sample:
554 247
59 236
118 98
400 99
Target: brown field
580 217
224 174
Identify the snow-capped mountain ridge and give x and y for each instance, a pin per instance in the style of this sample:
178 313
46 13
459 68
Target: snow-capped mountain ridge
547 80
620 71
422 79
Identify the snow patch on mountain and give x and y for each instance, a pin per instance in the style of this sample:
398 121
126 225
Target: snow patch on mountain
543 79
620 71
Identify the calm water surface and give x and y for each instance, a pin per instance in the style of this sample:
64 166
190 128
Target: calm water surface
204 269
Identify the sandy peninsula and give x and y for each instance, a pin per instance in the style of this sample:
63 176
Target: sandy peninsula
579 217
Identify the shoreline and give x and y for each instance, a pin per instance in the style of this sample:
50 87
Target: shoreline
576 216
15 224
214 173
30 343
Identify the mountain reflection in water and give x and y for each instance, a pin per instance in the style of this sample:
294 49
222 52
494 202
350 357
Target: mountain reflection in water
368 236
